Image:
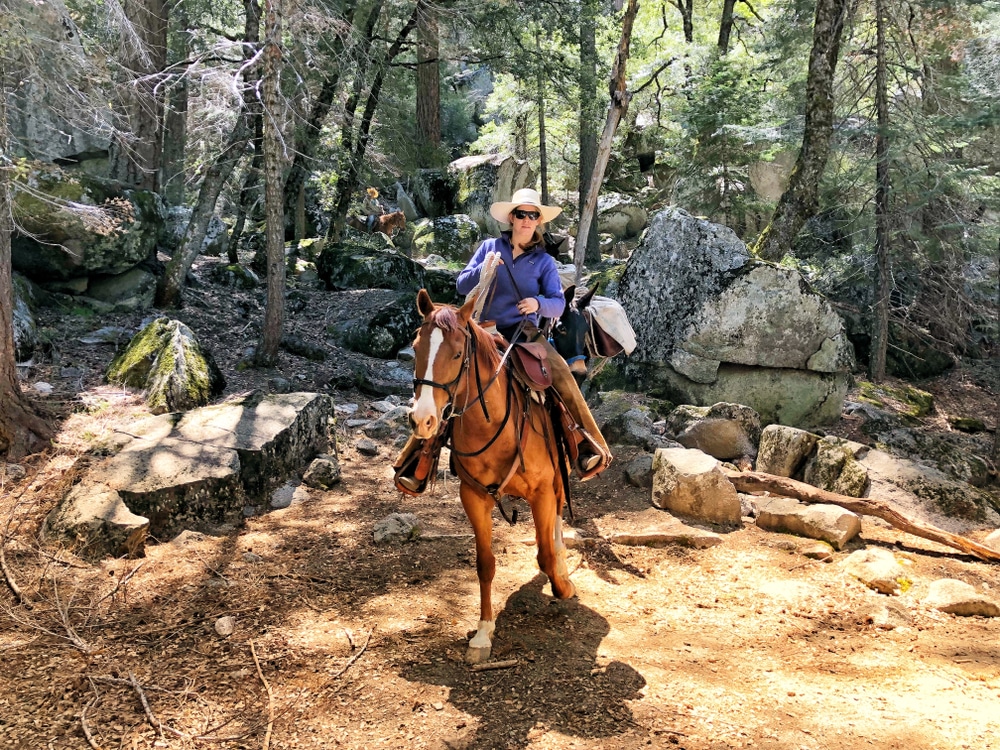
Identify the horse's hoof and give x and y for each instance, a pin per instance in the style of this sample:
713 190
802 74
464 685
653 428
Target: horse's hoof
478 654
568 592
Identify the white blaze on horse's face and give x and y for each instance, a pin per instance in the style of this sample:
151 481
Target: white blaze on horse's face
424 406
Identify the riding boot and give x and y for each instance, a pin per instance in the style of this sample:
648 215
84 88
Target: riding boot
595 455
412 473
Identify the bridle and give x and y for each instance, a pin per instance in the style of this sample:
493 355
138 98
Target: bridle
446 387
449 412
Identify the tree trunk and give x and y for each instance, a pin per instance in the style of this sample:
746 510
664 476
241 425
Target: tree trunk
686 7
136 153
308 136
175 115
521 135
428 86
757 481
274 312
880 322
801 198
726 26
249 192
543 157
348 183
996 363
620 98
588 245
21 430
363 48
168 293
305 149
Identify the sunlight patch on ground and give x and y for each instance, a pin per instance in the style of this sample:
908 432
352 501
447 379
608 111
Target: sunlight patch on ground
102 412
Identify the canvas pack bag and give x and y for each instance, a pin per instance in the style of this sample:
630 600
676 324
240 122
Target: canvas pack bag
611 332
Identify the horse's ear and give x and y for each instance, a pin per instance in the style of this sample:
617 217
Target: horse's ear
569 293
425 305
585 299
465 311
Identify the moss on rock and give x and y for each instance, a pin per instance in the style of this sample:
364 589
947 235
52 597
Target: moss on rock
166 361
913 402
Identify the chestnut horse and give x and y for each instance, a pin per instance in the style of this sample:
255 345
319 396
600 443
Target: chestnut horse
389 224
502 443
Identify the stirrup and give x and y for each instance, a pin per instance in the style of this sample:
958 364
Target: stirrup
411 483
590 465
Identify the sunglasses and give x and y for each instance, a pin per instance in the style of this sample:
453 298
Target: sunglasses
519 214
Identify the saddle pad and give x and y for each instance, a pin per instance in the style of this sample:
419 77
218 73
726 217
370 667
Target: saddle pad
531 363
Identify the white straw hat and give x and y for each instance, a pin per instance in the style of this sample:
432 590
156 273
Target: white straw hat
523 197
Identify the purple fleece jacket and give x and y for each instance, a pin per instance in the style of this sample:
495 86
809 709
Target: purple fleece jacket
536 275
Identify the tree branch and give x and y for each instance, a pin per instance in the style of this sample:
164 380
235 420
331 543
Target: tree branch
757 481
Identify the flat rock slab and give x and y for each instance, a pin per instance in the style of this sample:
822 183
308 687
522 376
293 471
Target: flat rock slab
960 598
829 523
655 528
201 469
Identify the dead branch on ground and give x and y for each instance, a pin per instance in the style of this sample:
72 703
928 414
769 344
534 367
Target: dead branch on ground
353 658
145 704
8 575
270 698
494 665
83 723
758 481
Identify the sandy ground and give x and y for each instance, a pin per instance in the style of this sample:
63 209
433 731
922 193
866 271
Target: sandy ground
342 643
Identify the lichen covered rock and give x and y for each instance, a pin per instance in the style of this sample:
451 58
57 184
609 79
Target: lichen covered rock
166 361
713 325
77 225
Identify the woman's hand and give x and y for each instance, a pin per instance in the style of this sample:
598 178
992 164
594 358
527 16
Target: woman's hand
528 305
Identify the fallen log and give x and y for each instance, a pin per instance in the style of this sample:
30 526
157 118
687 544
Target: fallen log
758 481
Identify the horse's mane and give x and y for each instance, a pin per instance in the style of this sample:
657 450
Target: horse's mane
444 317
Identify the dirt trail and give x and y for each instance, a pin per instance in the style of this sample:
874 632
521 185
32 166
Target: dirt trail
747 644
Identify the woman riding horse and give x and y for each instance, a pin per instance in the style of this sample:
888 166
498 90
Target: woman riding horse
371 208
526 286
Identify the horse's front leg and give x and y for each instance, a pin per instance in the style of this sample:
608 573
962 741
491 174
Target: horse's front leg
479 509
551 548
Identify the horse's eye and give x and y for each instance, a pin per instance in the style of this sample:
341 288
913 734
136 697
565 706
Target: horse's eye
457 355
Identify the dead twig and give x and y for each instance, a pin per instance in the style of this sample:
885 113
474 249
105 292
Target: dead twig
121 582
83 723
353 658
59 560
63 609
157 724
8 575
494 665
270 698
145 704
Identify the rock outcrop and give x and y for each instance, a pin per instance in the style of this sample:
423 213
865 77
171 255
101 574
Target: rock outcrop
483 180
77 226
714 325
201 470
